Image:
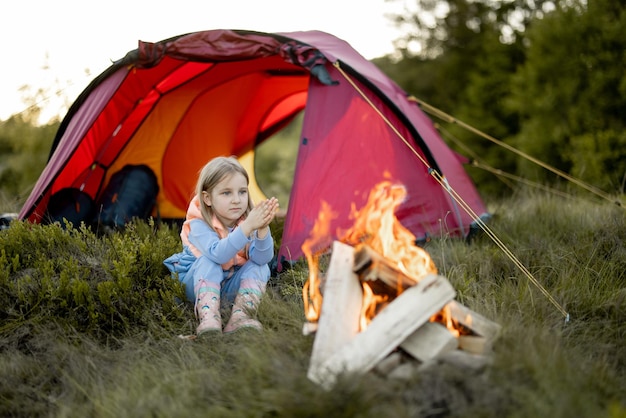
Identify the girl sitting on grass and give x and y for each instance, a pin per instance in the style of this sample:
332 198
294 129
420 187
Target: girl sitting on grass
227 245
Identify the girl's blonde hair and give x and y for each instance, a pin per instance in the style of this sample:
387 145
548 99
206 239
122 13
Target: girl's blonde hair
211 174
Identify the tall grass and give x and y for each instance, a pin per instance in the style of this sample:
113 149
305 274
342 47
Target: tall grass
90 326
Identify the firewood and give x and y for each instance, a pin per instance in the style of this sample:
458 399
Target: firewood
386 365
429 341
371 265
386 332
404 371
475 344
471 363
341 307
474 321
309 328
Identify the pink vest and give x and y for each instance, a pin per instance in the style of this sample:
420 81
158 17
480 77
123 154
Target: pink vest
193 212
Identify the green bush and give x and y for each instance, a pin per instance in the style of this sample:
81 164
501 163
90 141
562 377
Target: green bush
102 286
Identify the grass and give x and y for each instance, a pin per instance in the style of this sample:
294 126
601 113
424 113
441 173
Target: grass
90 325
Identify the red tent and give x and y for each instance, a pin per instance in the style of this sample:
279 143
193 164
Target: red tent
175 104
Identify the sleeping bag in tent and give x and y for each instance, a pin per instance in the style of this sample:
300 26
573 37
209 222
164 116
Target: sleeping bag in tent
175 104
71 205
130 194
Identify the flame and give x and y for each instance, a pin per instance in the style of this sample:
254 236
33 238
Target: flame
372 304
377 226
312 247
445 318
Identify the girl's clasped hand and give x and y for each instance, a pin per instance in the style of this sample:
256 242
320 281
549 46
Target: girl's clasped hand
263 214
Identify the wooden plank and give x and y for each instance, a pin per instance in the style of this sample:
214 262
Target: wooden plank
475 344
309 328
386 365
474 321
429 341
466 361
341 306
387 330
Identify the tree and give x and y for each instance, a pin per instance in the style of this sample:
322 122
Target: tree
571 92
545 77
434 27
463 56
23 155
25 145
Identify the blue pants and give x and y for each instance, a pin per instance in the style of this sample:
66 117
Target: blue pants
228 281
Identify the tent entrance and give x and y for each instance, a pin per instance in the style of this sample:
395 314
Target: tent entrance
274 163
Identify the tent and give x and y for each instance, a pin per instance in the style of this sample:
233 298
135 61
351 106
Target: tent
175 104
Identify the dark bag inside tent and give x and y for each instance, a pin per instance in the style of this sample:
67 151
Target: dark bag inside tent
72 205
131 193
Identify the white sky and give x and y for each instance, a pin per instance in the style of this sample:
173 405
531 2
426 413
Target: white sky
61 45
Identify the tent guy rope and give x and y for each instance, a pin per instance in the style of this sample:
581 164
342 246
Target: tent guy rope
446 117
443 183
500 174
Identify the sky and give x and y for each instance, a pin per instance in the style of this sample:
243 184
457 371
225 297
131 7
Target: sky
62 45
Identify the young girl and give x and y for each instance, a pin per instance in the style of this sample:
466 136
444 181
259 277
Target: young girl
227 245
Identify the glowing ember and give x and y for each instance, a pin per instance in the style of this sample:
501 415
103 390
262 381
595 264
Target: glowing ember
444 317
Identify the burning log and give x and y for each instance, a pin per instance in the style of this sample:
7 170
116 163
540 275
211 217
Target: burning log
382 306
370 265
407 322
386 332
474 321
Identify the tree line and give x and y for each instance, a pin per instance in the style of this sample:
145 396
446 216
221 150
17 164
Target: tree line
545 77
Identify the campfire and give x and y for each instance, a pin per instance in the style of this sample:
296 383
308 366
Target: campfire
381 303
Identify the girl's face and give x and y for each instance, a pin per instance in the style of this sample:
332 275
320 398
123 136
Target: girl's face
229 199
